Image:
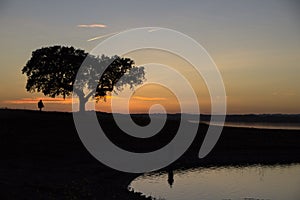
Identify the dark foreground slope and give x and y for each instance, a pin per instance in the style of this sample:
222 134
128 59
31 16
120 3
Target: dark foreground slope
42 156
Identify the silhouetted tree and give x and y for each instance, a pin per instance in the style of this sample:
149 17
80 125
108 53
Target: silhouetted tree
52 71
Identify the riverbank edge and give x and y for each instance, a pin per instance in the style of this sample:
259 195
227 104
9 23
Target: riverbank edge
283 148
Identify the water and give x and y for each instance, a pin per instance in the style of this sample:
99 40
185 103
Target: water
220 183
262 125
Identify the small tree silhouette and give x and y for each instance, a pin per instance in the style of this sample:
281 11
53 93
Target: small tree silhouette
52 71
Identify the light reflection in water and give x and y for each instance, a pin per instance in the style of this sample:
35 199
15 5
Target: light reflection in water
259 125
247 183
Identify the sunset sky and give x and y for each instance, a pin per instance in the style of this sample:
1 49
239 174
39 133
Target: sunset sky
255 45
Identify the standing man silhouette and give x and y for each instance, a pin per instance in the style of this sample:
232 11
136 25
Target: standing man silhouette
40 105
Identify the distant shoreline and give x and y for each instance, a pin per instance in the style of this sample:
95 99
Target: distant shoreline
278 117
235 114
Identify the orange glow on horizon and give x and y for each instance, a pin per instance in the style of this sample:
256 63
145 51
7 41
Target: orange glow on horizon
35 100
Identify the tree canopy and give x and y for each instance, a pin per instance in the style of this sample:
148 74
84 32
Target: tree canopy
53 70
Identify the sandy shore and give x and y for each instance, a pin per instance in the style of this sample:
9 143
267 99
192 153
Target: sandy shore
42 156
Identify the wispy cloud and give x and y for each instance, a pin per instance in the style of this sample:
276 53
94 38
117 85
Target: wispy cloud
102 36
91 26
114 33
149 98
154 29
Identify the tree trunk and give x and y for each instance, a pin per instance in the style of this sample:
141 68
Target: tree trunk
82 99
82 102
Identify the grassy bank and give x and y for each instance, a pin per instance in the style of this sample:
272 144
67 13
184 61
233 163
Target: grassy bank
43 157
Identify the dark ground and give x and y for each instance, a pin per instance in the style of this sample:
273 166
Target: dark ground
42 156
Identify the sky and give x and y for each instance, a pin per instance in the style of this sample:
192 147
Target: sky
255 45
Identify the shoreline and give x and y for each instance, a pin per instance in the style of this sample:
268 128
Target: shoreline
43 157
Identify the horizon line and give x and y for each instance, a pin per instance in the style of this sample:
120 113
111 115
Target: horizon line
49 111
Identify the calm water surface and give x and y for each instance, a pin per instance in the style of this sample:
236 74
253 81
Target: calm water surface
235 183
262 125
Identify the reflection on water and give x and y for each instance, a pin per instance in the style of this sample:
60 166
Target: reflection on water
235 183
170 178
262 125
